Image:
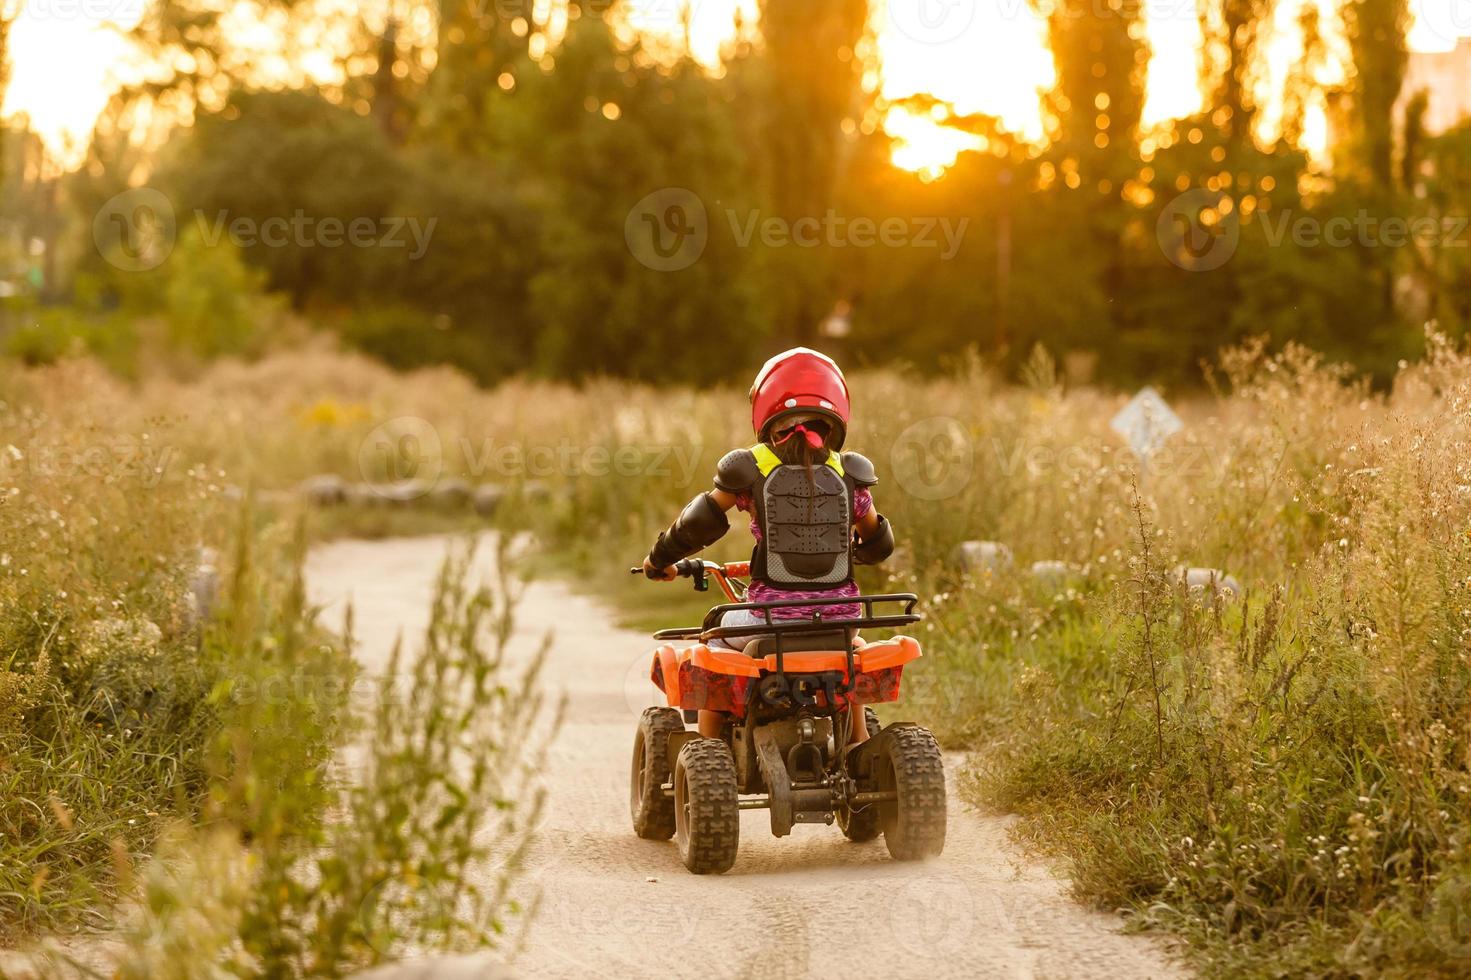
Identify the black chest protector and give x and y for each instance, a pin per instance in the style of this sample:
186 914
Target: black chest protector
805 516
806 521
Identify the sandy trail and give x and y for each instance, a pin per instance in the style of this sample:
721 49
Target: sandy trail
807 905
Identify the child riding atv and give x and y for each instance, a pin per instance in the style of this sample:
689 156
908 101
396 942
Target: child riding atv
813 515
778 680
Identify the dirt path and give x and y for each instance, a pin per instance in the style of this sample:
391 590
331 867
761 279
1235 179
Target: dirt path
807 905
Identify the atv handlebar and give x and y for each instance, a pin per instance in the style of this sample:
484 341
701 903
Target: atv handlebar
727 576
684 569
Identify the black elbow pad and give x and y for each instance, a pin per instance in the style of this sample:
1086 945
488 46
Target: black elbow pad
877 546
701 524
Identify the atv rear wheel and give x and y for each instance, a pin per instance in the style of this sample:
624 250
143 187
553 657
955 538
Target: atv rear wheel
865 823
707 816
652 811
912 767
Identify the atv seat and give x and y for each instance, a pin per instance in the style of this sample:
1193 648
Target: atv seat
834 641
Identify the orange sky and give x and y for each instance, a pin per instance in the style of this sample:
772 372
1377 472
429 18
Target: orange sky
984 55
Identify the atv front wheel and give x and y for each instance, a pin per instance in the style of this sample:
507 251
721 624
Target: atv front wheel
653 812
865 823
707 816
912 767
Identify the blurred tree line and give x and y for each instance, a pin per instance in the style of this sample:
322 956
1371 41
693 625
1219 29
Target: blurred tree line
523 143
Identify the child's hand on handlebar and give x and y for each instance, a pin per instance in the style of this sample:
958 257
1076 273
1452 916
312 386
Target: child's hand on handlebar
666 574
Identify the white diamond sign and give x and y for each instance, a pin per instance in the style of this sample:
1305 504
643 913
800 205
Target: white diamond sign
1146 423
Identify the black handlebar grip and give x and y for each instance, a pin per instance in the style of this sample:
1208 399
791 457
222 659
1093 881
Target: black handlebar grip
688 568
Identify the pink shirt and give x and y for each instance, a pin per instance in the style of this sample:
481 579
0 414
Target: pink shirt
761 592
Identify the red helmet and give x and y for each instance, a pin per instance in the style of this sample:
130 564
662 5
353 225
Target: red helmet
799 381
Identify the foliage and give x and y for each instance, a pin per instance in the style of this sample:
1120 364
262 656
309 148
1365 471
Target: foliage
176 733
427 833
523 147
1280 778
294 158
1443 267
105 671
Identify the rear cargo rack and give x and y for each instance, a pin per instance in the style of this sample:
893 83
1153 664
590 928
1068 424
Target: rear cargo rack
781 629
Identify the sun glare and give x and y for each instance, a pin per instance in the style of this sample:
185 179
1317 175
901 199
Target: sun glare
981 58
924 146
64 69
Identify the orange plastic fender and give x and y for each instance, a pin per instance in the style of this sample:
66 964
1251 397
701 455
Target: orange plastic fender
889 653
723 661
669 668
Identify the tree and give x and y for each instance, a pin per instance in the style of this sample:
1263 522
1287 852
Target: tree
594 138
1364 161
1302 81
1442 191
289 157
1092 114
1093 117
1230 32
9 11
809 84
1376 31
479 49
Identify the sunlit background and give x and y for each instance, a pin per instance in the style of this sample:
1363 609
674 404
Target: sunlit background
989 57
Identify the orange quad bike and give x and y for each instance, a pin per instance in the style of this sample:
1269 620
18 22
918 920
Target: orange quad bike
780 749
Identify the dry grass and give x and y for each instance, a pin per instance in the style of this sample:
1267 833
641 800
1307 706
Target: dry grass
1281 778
159 669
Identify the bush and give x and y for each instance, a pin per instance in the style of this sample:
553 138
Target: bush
144 706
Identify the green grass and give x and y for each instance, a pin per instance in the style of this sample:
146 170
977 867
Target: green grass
170 712
1282 780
